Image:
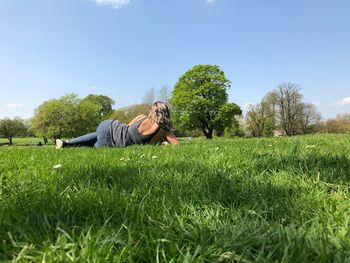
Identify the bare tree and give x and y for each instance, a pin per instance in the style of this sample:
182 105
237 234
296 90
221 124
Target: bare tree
270 102
164 93
309 116
126 114
255 119
288 102
283 109
150 96
260 119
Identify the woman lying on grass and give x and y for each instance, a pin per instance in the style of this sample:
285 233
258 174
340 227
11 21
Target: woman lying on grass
152 129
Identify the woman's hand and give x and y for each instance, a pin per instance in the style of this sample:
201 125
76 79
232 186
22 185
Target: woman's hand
171 138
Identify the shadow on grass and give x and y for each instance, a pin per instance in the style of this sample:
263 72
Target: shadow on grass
33 209
145 198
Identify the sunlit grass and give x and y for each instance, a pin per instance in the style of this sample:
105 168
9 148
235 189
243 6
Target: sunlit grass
25 141
247 200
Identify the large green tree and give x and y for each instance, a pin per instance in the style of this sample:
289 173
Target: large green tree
65 117
199 100
104 103
226 117
10 128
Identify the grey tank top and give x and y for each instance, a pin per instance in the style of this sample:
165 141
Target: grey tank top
124 135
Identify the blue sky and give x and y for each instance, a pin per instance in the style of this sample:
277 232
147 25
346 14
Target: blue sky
121 48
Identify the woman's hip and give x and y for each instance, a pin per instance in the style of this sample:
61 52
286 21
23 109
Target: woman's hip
104 134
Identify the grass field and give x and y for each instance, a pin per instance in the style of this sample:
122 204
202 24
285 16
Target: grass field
24 141
240 200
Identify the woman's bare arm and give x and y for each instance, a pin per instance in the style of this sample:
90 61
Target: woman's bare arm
171 138
136 119
164 136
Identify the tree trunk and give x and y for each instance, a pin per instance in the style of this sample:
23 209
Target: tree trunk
10 140
219 133
208 133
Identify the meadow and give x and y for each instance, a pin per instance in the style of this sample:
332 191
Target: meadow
224 200
24 141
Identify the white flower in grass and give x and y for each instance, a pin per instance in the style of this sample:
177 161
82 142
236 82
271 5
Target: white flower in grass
154 157
57 166
310 146
226 256
270 145
142 156
251 212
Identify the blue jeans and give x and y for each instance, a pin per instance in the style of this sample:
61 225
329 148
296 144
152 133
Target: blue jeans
102 137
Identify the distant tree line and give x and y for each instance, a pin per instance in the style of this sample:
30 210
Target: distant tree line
340 124
282 111
199 105
67 116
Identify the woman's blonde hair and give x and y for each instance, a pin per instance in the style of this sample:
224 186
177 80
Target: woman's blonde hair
160 114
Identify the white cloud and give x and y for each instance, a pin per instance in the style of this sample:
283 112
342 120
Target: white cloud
14 105
343 102
93 87
112 3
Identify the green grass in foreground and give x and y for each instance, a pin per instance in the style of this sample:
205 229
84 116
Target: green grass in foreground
244 200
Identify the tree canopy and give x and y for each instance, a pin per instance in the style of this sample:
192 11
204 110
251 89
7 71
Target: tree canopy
68 116
104 103
10 128
199 100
